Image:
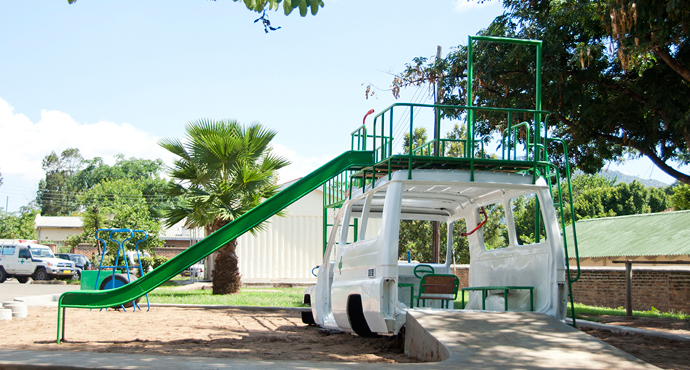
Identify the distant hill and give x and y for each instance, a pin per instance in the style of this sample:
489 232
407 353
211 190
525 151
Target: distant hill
621 177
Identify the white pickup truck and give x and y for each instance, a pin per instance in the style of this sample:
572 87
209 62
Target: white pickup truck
24 259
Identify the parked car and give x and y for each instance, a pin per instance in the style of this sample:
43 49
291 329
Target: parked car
196 270
23 259
80 261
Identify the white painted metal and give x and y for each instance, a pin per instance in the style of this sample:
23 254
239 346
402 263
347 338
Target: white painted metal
369 267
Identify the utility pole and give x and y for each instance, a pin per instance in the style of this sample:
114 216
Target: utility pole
435 225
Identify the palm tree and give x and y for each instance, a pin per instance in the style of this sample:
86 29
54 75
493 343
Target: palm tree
223 169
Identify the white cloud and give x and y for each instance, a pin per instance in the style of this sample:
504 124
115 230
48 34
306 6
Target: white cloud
300 166
26 143
464 6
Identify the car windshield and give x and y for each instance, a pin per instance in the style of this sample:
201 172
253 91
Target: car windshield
41 252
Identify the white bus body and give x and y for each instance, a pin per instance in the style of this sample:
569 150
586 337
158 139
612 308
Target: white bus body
358 282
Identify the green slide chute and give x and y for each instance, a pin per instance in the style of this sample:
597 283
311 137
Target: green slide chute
111 298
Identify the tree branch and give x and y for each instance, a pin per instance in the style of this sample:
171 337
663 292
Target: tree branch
651 154
675 65
666 168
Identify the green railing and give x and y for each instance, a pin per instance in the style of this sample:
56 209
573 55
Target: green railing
380 140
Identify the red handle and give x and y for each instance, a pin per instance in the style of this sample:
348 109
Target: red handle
482 211
367 115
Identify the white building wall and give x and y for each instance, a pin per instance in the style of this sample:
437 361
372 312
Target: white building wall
291 246
287 250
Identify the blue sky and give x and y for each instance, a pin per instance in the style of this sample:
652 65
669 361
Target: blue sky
112 77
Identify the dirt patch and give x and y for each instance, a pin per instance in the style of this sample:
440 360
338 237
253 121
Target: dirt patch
664 353
257 335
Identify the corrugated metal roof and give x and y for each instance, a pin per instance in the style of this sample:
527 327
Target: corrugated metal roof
651 234
57 221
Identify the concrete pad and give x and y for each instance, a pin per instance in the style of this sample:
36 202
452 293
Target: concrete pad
630 330
192 286
45 300
510 340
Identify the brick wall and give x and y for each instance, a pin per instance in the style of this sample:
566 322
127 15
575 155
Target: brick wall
463 274
665 288
169 252
184 244
88 249
85 249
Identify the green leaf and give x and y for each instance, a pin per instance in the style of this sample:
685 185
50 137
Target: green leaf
303 8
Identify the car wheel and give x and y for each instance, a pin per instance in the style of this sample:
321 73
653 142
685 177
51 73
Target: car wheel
116 281
23 279
40 274
3 275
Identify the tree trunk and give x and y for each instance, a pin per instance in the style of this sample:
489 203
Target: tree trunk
226 270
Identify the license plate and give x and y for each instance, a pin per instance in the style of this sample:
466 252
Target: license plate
66 272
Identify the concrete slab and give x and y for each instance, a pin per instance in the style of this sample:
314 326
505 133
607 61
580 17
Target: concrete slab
629 330
509 340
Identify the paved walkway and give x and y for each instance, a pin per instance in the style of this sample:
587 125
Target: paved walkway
11 289
510 340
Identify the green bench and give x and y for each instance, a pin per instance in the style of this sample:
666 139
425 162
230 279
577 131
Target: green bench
505 289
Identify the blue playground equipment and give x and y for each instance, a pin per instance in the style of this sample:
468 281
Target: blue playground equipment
116 280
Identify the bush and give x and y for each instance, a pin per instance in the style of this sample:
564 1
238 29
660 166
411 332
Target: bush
149 263
159 260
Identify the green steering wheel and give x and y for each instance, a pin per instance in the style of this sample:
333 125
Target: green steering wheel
421 270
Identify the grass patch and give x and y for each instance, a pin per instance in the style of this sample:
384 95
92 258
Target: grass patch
263 297
594 312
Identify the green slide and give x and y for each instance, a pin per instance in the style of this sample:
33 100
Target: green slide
208 245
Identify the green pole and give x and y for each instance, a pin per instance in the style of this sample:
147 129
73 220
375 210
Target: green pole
470 113
537 126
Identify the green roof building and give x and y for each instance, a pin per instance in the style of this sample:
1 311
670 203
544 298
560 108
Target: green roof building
657 237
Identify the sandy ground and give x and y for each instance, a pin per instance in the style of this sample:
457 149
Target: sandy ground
664 353
267 335
264 335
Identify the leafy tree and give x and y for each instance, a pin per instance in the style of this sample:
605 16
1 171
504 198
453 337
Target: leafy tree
495 230
56 195
19 225
415 236
681 197
146 173
615 77
124 201
288 5
222 171
619 200
419 138
92 219
456 148
524 215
